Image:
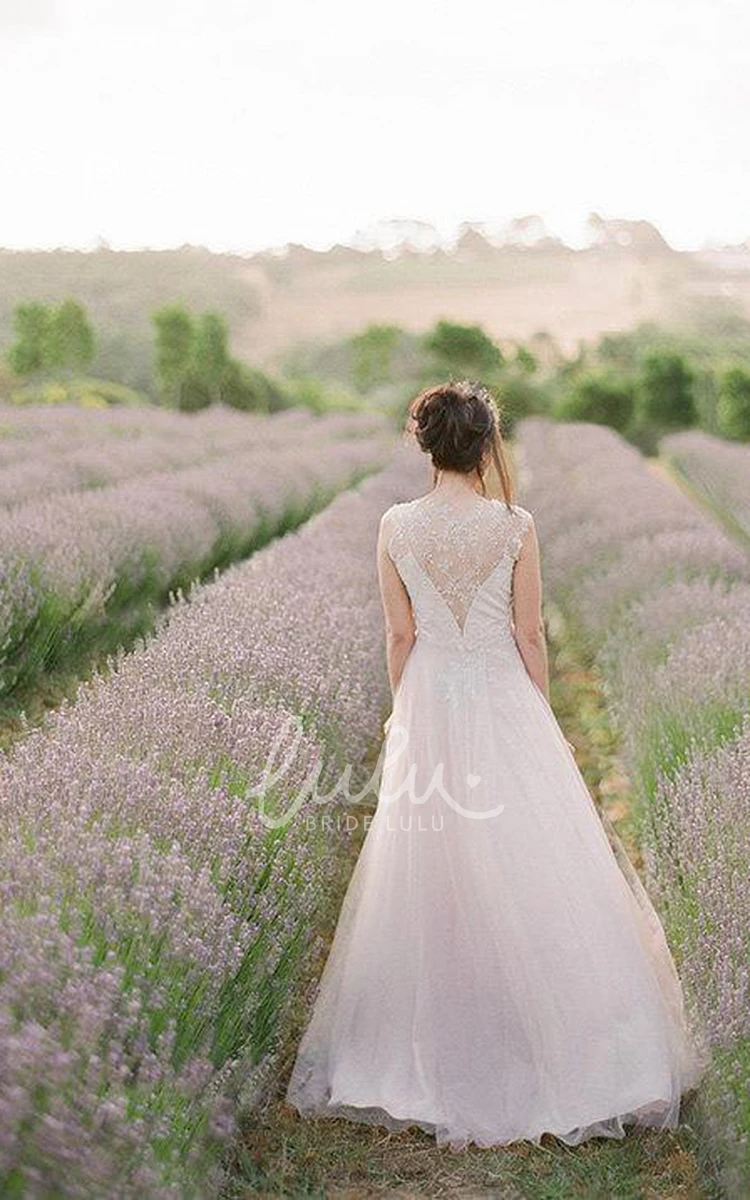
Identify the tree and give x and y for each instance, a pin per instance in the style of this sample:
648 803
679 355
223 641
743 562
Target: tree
604 399
209 356
518 395
373 351
525 360
31 323
463 348
69 340
665 391
248 389
733 410
618 350
193 392
571 369
196 369
175 337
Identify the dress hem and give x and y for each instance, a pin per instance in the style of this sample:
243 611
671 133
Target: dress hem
667 1117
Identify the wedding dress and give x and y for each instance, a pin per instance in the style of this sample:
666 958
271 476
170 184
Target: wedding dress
497 972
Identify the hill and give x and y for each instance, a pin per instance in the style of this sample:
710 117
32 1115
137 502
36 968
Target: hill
272 300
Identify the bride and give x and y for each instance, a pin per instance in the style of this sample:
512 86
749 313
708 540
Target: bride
496 972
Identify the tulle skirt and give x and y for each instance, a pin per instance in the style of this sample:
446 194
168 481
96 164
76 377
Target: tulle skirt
497 972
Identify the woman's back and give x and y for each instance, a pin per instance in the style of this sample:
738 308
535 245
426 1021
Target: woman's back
455 556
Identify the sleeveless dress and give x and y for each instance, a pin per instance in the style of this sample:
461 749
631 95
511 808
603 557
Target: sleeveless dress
497 972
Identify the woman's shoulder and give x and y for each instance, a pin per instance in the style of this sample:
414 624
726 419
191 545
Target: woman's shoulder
522 515
515 534
393 527
391 515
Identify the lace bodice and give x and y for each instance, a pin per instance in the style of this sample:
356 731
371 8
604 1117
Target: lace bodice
456 557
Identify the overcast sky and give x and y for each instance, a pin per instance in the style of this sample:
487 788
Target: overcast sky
239 125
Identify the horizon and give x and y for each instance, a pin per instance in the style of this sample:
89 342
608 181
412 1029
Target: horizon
376 238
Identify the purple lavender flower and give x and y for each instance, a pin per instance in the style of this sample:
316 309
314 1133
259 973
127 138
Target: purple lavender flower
152 926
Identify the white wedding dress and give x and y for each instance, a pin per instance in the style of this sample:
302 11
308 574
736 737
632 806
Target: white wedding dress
497 972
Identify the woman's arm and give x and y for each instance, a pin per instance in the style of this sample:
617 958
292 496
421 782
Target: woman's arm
399 618
527 611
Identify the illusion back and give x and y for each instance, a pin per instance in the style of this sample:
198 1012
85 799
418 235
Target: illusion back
456 559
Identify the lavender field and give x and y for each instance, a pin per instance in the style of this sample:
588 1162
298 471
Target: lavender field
91 535
45 450
153 922
660 595
718 471
157 917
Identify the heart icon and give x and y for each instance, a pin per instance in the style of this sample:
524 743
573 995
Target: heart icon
473 780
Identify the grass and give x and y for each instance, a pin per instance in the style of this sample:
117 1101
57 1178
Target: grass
576 695
325 1161
282 1154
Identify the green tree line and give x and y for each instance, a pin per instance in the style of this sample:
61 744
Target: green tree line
639 383
193 364
643 383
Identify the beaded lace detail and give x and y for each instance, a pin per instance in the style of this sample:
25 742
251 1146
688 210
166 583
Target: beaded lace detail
458 545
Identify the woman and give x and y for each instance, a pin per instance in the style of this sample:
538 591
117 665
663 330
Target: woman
496 973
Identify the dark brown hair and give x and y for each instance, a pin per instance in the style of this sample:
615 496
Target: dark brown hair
457 424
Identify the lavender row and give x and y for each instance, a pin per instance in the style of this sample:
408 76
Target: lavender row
153 925
700 864
69 562
57 450
718 471
662 597
648 577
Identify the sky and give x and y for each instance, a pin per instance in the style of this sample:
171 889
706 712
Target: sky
242 126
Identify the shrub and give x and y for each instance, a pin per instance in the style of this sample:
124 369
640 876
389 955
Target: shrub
665 391
733 410
373 355
314 394
525 360
84 392
250 390
518 396
605 399
463 348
